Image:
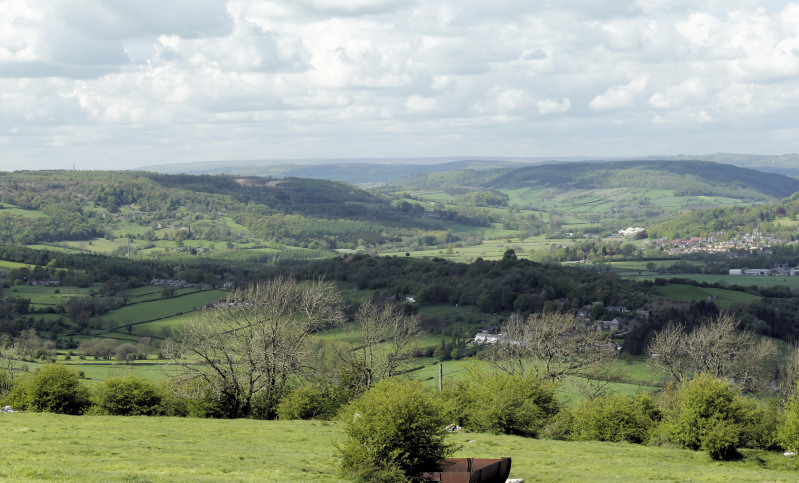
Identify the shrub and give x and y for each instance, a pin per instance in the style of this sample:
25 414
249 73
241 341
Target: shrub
53 388
616 418
788 429
129 396
395 430
503 403
17 396
188 399
721 440
560 426
762 432
704 405
6 382
308 402
264 404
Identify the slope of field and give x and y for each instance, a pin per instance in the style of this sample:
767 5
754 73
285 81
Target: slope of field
104 448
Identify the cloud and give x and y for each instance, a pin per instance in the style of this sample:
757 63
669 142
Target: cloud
549 106
122 19
619 97
214 79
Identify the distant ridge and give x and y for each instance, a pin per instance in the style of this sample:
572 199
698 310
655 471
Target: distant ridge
685 178
375 170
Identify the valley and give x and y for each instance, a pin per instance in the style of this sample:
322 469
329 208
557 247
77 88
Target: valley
101 271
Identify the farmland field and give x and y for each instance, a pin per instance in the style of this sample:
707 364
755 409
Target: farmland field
790 282
722 298
492 249
158 309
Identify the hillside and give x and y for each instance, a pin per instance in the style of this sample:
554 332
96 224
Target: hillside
359 172
381 170
685 178
110 211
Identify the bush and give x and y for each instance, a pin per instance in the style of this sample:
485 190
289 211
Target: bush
129 396
53 388
308 402
762 432
560 426
395 430
6 382
503 403
705 405
788 429
264 405
616 418
721 440
188 399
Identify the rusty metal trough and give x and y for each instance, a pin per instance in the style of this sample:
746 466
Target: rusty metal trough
469 470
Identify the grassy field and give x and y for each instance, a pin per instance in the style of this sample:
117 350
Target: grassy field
144 449
158 309
722 298
7 265
790 282
492 249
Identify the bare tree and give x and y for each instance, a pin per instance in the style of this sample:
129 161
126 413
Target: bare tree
668 352
552 345
717 348
253 343
8 356
384 341
789 373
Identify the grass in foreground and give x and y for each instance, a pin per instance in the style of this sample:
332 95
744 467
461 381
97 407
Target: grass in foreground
105 448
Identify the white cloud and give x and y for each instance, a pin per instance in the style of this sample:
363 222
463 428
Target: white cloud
418 104
212 79
619 97
549 106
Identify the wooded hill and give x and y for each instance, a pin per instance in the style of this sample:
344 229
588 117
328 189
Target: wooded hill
361 172
686 178
59 206
776 218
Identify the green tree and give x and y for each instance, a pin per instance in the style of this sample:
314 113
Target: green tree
711 414
503 403
128 396
616 417
53 388
395 429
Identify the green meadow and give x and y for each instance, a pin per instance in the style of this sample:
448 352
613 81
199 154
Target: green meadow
722 298
493 248
159 309
48 447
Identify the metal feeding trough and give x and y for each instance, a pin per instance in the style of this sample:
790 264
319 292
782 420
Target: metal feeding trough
469 470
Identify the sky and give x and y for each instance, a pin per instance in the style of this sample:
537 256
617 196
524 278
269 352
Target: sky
119 84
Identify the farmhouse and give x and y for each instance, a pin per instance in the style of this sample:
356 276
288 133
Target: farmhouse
490 335
631 231
617 323
485 338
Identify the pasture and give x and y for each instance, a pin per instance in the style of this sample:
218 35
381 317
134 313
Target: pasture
688 293
140 449
159 309
743 281
492 249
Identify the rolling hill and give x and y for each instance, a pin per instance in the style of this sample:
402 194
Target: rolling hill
686 178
